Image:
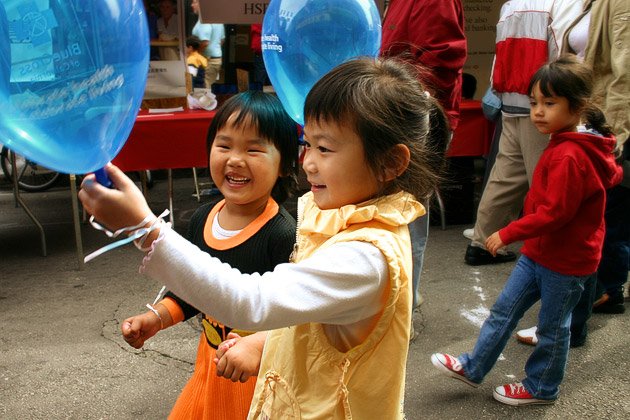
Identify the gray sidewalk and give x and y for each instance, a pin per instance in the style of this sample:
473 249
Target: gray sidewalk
62 356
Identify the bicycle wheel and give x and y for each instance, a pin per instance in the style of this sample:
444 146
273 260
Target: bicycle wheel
31 176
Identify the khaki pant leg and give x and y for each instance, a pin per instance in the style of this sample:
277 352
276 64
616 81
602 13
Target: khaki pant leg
212 71
502 198
533 148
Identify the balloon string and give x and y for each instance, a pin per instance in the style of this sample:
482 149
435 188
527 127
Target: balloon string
159 295
96 225
139 232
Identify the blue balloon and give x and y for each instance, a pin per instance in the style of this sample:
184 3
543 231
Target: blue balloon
302 40
72 76
5 52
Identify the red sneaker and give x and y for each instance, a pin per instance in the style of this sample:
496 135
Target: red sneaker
450 366
516 394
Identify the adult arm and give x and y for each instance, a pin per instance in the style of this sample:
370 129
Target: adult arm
444 47
436 39
616 107
431 33
563 13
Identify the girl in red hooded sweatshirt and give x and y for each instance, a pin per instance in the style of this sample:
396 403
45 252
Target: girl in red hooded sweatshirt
563 230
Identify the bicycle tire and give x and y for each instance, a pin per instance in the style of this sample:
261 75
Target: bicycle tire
33 177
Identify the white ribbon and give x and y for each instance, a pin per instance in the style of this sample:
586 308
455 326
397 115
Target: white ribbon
138 232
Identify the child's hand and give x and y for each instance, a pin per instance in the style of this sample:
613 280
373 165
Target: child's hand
115 208
494 243
137 329
238 358
226 345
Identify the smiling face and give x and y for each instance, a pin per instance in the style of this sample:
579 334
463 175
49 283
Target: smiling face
551 114
335 166
243 166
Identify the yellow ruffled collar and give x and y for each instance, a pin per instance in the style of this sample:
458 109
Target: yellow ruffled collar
393 210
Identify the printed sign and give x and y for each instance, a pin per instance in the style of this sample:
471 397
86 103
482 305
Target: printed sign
481 17
167 70
166 79
240 11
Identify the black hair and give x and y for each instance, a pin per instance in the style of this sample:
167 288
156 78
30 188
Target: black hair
265 112
569 78
194 42
386 105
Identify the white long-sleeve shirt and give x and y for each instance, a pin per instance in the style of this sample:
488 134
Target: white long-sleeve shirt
341 286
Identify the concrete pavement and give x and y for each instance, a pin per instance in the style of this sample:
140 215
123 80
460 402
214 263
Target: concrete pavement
62 356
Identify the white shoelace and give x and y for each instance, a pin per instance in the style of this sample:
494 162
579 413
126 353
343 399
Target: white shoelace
517 388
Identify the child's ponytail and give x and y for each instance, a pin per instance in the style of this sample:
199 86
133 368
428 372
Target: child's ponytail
594 118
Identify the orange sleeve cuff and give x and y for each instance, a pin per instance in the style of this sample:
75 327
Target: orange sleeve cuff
177 315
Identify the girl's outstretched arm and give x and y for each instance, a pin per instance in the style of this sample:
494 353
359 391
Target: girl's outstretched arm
341 285
118 207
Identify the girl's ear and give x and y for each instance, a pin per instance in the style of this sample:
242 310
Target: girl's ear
397 164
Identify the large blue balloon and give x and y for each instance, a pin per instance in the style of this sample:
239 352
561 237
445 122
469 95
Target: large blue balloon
5 51
72 76
304 39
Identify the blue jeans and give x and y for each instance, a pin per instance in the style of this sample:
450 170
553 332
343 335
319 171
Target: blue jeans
582 312
612 273
419 232
528 283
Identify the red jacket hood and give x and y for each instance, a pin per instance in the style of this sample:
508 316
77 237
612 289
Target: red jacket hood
599 149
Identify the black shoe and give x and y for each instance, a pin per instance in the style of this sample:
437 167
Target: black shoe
609 304
479 256
578 342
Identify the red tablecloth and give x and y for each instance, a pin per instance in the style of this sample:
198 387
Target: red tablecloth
166 141
474 132
178 140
